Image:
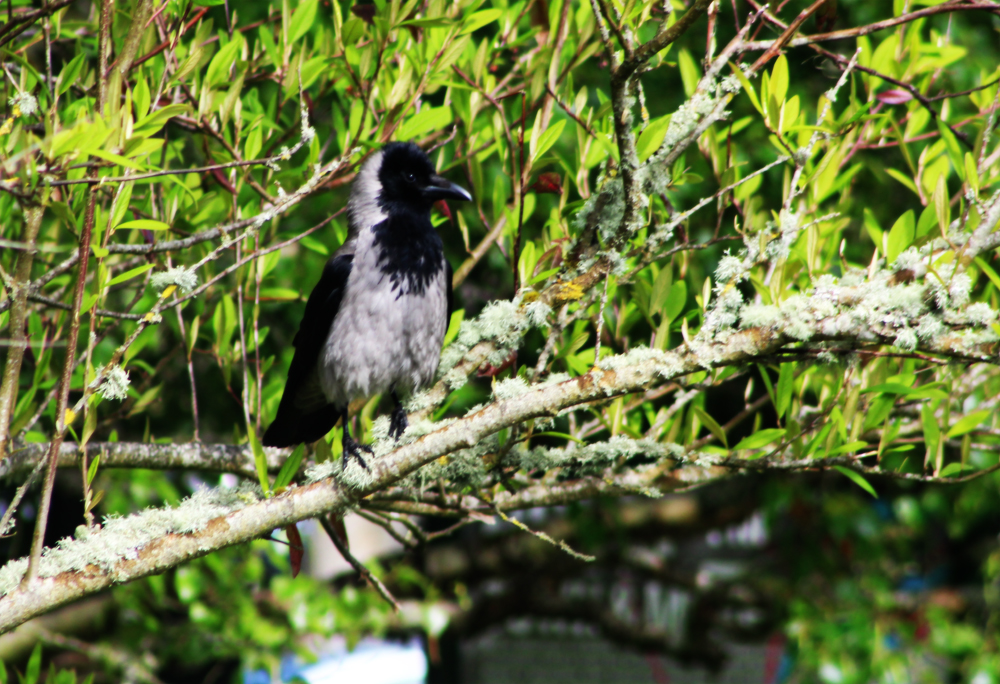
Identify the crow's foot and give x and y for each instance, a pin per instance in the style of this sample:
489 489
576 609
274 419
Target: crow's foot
398 423
352 448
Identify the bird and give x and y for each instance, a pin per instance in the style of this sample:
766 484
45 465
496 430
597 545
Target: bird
376 320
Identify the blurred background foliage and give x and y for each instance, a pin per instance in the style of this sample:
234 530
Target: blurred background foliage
864 589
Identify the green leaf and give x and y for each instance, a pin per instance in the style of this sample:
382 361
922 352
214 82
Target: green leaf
560 435
857 479
140 98
846 449
281 294
526 262
901 235
34 667
260 461
905 180
70 73
786 383
759 439
128 275
147 398
988 270
713 427
548 139
314 245
428 22
879 410
888 388
255 140
92 469
690 74
152 123
302 20
968 423
954 149
954 469
117 159
932 431
218 68
747 88
779 80
544 275
767 383
453 325
661 289
120 204
942 204
927 221
426 120
676 300
479 19
267 40
143 224
290 467
652 137
971 173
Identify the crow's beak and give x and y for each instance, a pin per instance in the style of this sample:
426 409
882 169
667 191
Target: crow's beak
443 189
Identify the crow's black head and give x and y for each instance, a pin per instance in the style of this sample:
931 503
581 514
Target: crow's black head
407 178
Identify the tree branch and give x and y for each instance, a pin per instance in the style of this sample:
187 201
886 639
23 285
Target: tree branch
223 458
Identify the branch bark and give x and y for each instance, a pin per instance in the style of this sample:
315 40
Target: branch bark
222 458
18 338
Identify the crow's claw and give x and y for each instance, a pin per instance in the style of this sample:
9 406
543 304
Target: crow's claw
398 423
352 448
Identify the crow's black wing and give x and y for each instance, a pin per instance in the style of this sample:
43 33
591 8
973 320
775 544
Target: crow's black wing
304 414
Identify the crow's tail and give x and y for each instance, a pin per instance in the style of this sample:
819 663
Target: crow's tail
292 426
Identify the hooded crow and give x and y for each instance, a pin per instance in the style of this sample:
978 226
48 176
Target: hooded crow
376 320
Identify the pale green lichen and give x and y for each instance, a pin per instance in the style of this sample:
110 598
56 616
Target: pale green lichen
25 103
418 401
906 339
665 364
760 316
455 379
122 538
723 314
504 323
510 388
592 459
115 385
537 313
185 279
930 327
911 260
730 267
981 314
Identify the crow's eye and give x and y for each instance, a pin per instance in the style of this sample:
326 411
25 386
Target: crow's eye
410 178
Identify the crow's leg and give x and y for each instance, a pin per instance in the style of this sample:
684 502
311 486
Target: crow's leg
351 448
398 424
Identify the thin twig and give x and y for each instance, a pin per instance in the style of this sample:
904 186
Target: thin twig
357 565
63 419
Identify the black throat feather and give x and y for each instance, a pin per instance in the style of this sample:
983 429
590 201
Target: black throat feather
410 252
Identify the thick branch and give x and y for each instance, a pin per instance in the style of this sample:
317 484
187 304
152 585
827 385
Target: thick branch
223 458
